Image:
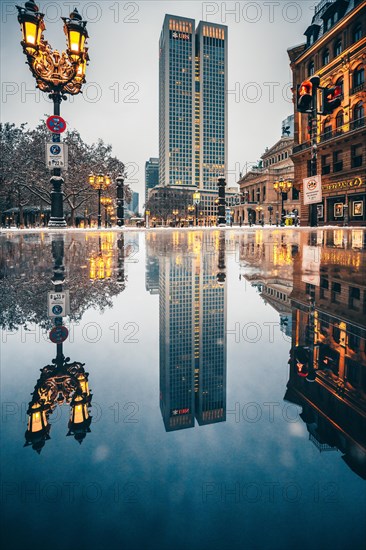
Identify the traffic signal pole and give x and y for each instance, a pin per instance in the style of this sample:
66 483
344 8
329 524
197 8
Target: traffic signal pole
313 125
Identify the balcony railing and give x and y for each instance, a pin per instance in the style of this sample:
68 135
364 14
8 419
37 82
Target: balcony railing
358 88
329 134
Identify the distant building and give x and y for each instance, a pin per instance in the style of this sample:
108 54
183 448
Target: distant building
258 198
193 108
151 175
288 126
133 205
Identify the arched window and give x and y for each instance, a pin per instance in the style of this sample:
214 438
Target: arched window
358 77
338 48
357 33
339 122
311 68
326 57
358 115
340 83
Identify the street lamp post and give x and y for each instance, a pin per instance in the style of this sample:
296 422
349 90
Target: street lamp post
282 187
175 214
106 202
99 182
56 74
196 201
120 201
270 210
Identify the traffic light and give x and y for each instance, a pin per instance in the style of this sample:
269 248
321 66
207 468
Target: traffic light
305 96
331 99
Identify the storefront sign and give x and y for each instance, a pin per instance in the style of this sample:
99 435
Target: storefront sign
312 190
357 182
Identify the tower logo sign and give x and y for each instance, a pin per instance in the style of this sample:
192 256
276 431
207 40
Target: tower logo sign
180 35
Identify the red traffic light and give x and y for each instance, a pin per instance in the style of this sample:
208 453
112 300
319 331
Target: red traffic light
332 98
304 96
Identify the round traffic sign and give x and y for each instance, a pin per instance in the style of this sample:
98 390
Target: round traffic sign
58 334
55 149
57 309
56 124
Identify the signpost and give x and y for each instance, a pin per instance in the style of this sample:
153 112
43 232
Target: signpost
56 155
58 334
312 188
56 124
58 304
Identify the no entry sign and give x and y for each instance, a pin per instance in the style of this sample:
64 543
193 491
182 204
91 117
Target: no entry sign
56 124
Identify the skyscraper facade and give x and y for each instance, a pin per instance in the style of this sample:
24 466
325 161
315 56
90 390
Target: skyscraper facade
151 175
193 105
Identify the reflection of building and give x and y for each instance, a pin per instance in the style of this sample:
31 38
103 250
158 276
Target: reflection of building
193 107
192 329
328 357
267 265
335 51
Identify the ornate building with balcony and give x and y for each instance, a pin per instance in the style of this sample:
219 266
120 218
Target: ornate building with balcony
335 50
259 201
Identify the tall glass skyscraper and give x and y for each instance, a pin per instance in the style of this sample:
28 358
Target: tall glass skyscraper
193 103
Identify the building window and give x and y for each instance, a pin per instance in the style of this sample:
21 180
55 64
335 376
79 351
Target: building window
354 298
339 122
325 164
356 156
337 161
358 116
326 57
358 78
327 131
357 33
295 194
311 68
340 83
336 290
338 48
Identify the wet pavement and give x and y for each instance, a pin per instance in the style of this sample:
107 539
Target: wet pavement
184 389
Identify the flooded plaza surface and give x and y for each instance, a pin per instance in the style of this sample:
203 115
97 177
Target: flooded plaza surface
184 389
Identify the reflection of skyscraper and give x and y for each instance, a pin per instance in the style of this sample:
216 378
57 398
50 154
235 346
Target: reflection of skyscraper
192 332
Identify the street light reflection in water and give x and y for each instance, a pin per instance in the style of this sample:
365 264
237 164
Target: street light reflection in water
256 337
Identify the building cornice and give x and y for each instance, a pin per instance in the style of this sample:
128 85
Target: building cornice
329 35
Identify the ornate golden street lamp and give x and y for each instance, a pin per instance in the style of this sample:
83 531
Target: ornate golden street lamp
282 187
56 74
100 182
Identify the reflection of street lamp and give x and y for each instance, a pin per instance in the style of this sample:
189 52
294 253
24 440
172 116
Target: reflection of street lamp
196 201
56 74
99 182
282 187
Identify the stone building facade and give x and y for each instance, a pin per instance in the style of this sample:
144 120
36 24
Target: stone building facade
335 51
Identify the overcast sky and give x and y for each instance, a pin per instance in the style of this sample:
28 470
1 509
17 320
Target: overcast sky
120 100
